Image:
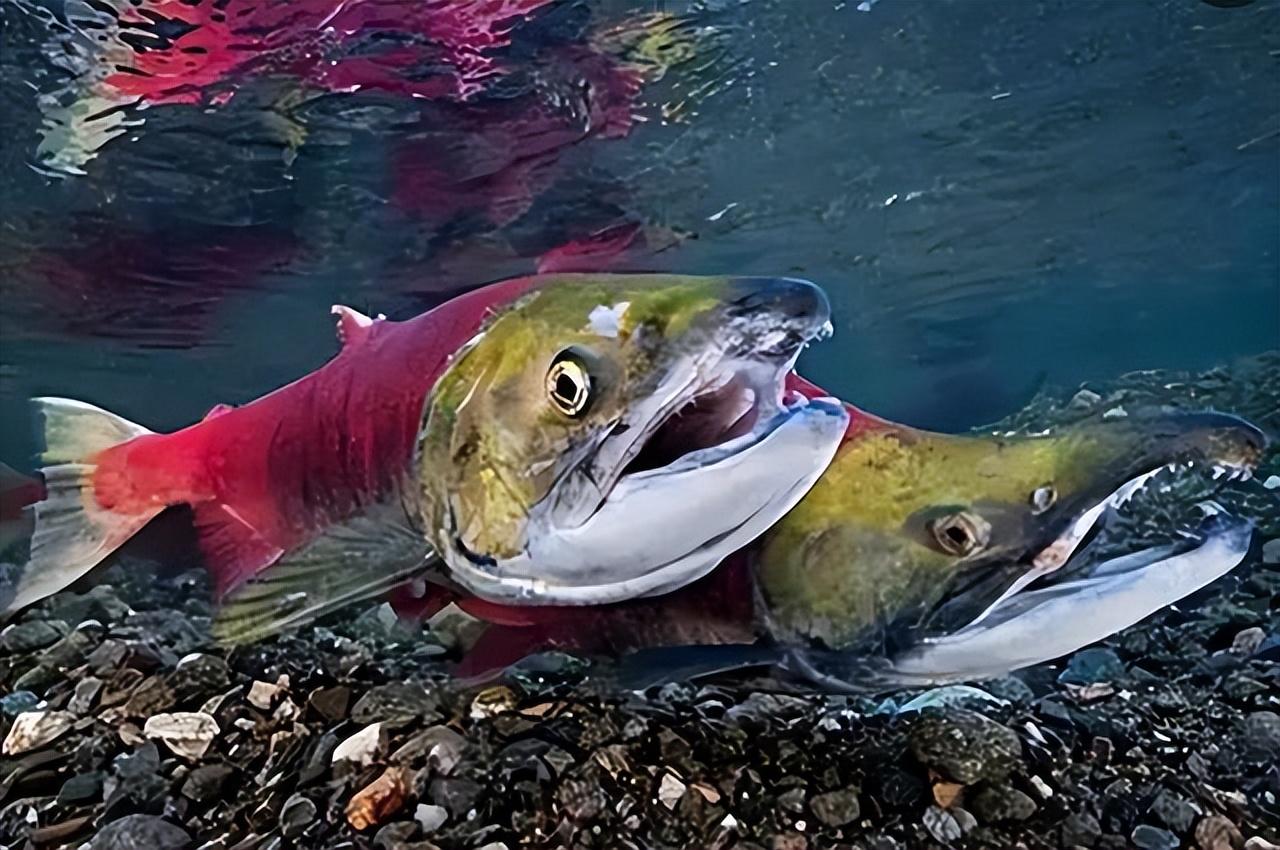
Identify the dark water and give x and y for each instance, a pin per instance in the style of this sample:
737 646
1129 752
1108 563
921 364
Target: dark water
995 194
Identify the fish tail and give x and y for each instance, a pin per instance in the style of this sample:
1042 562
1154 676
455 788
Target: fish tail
18 493
89 506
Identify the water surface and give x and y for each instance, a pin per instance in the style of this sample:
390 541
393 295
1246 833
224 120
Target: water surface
995 194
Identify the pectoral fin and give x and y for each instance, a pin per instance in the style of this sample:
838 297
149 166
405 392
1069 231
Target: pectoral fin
360 559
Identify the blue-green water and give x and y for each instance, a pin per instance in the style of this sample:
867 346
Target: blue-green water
995 194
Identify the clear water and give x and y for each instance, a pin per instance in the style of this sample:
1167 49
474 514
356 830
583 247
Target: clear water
995 194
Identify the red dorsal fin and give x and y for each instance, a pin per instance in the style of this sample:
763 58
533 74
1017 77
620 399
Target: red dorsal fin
217 410
353 325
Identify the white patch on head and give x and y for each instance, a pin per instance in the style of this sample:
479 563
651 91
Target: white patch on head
605 321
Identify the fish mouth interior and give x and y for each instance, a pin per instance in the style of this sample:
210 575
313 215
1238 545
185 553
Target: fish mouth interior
735 403
1068 556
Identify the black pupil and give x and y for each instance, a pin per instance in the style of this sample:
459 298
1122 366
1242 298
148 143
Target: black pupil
566 388
957 535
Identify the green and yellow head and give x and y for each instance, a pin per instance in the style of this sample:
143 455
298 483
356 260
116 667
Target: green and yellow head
911 539
607 436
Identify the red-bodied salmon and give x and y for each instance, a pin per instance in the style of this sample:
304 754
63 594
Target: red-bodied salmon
561 439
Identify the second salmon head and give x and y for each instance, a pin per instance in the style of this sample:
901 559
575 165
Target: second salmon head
613 436
924 558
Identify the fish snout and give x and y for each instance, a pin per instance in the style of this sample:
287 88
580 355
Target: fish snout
786 311
1218 438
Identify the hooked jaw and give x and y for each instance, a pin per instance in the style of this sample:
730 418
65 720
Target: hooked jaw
1010 611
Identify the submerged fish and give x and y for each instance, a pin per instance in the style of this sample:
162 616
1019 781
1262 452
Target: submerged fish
923 558
571 438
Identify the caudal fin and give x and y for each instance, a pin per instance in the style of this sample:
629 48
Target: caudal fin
73 532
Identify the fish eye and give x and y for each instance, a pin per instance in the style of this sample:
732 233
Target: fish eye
961 533
568 384
1043 498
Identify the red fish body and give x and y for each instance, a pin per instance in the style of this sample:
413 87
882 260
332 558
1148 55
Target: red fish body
265 477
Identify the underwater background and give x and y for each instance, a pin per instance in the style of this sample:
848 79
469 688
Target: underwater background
995 195
1024 213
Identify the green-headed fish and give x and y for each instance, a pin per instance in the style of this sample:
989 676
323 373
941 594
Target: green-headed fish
573 438
924 558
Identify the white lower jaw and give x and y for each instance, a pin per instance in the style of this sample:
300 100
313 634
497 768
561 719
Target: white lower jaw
1041 625
660 530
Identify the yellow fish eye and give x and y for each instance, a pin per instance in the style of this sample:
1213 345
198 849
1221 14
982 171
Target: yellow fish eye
569 384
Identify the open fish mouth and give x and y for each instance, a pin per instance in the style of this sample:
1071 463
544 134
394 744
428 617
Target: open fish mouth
1069 555
1049 615
707 462
1063 595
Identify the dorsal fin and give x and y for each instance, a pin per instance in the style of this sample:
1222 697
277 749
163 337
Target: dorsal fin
217 410
353 325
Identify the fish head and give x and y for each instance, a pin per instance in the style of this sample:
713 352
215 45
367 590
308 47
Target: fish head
609 436
914 545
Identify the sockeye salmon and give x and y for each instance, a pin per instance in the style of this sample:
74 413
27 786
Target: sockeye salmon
565 439
923 558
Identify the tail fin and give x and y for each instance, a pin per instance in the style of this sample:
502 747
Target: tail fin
18 493
73 533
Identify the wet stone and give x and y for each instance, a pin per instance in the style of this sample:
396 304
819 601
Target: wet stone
1217 833
135 781
57 834
32 635
395 836
1084 399
1080 829
34 729
99 603
898 788
186 733
964 819
11 705
965 745
85 695
394 702
996 803
1260 736
206 782
330 703
836 808
942 825
363 747
197 675
1173 811
81 788
430 818
153 696
1271 549
296 815
1146 837
1248 640
1092 666
1010 689
39 678
579 799
456 794
137 831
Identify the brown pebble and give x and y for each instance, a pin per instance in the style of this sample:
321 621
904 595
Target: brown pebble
1216 832
379 799
59 833
946 793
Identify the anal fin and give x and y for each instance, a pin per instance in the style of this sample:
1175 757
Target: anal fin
233 550
362 558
